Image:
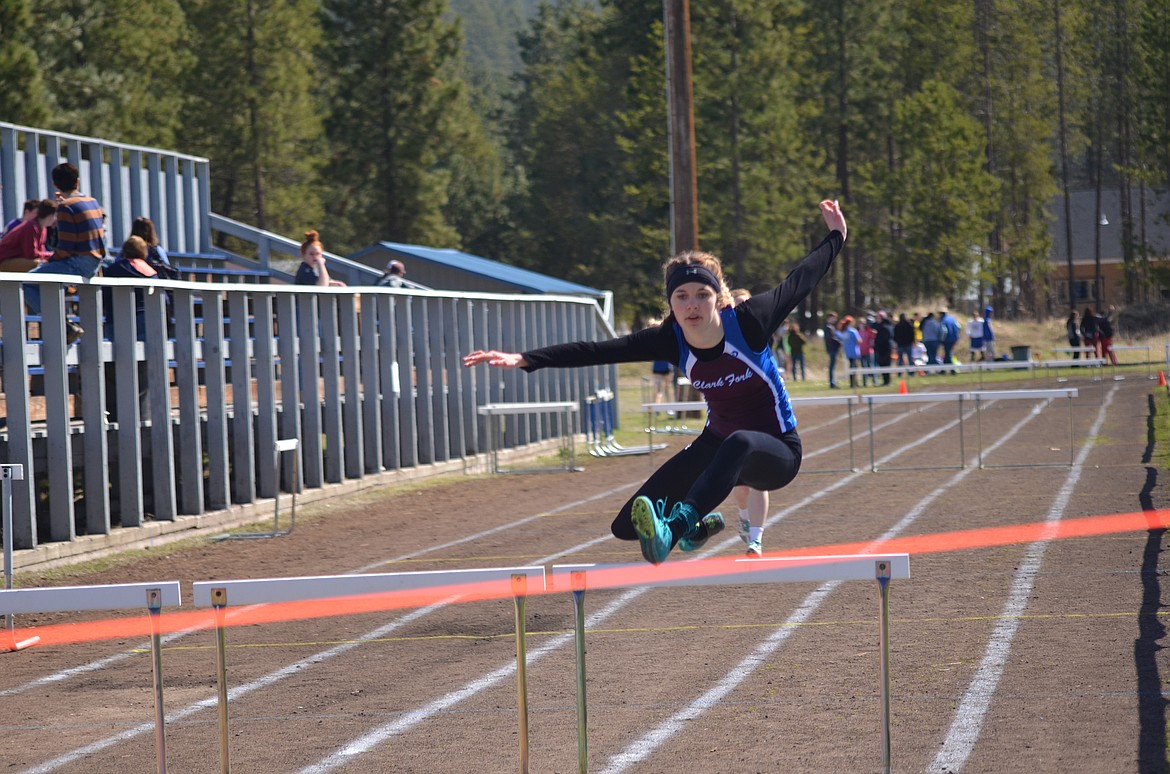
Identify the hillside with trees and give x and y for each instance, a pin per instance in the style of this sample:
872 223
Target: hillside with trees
947 129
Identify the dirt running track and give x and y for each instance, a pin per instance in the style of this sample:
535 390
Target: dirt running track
1018 658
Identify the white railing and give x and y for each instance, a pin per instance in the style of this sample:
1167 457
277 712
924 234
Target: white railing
373 376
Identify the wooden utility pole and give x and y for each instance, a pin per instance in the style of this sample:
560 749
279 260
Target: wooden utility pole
684 197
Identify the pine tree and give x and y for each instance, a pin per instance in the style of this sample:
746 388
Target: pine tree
112 67
253 112
1153 83
396 100
759 177
851 74
22 100
940 192
1021 98
564 124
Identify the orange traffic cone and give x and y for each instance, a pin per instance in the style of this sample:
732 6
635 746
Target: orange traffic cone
1161 378
902 387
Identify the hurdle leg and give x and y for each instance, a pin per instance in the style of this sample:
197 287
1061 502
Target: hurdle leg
578 581
872 458
882 574
962 449
519 592
10 473
154 608
849 419
979 430
219 602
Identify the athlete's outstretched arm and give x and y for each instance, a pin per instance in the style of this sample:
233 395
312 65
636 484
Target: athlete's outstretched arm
495 358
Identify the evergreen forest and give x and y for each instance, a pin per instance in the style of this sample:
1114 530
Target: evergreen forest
535 133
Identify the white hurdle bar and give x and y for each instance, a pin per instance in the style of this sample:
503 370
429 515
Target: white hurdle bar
983 396
879 567
219 594
125 596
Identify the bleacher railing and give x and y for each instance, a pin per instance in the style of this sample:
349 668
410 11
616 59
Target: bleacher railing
172 189
159 413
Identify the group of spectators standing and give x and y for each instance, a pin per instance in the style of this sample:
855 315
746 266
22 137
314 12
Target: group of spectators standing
878 340
1092 331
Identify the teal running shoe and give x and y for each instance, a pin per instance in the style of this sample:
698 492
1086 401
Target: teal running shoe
651 524
755 549
745 530
698 532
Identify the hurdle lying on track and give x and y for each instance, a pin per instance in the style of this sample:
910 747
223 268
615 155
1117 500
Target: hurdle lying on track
600 434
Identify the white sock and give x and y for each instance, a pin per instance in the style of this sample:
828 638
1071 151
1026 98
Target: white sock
756 533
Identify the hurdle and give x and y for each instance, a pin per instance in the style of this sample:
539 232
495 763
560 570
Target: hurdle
493 412
124 596
1056 366
983 396
879 567
10 473
849 401
219 594
281 446
602 423
917 397
1138 348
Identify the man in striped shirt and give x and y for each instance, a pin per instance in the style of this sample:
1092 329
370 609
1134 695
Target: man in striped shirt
81 242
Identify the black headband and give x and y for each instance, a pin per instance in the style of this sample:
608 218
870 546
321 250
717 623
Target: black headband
691 272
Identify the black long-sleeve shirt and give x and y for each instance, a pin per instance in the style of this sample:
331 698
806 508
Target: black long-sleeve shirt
759 317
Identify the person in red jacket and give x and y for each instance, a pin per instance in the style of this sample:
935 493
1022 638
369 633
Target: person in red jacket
23 247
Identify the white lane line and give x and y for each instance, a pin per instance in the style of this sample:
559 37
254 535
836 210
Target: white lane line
370 740
676 724
972 711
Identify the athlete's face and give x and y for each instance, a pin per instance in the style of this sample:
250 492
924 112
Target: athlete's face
693 304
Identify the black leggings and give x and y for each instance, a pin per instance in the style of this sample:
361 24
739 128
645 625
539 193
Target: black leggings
705 472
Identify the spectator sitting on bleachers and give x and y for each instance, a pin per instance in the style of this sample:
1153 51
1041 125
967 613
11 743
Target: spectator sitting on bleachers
23 247
393 278
81 240
27 214
131 264
156 257
312 270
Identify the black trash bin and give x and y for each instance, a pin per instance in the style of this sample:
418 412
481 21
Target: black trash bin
1021 353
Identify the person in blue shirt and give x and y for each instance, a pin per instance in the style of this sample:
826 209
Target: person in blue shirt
850 339
725 350
988 335
949 330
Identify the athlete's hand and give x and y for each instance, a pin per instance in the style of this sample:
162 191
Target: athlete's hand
495 358
831 211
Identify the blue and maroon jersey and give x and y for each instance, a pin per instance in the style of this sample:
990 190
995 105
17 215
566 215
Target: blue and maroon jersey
743 387
739 379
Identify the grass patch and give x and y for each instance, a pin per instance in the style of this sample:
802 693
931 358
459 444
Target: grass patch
1161 455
